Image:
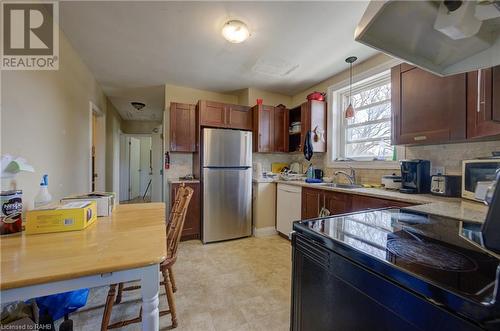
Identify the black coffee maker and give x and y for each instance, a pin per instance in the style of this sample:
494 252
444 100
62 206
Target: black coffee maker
415 176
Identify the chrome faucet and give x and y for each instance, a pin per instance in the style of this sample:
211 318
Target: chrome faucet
350 177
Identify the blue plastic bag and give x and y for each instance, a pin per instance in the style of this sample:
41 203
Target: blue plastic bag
58 305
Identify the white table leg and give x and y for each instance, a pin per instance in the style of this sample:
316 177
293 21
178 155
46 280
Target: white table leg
150 287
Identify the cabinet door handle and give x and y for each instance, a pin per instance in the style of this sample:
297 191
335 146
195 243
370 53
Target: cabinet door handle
479 91
419 138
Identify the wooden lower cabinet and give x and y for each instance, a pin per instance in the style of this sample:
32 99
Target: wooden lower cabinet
313 200
360 202
337 203
192 225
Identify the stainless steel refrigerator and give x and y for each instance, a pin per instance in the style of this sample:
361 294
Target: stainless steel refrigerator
226 167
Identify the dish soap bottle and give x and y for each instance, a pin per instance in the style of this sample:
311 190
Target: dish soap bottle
310 171
43 196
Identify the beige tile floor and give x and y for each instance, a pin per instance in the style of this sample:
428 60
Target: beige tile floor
235 285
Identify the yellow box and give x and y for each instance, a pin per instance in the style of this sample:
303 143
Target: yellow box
277 167
68 216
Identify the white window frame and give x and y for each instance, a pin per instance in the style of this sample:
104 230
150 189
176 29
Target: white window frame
382 78
336 139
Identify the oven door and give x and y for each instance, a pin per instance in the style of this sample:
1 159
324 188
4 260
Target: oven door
474 171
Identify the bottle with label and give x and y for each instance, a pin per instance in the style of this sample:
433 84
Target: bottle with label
43 196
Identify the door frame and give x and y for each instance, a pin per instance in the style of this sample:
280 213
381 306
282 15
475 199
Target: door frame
101 119
139 135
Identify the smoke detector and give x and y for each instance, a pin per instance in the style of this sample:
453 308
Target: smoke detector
138 105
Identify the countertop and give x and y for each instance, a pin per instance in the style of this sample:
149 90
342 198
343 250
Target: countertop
457 208
132 237
263 180
180 181
461 210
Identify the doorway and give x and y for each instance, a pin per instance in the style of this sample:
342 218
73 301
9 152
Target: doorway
138 182
97 142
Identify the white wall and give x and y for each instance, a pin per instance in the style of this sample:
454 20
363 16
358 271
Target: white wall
100 148
113 130
45 116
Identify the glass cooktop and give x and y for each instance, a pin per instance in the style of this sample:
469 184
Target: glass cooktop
426 246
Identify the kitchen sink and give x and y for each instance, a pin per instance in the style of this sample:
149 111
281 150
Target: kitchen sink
338 185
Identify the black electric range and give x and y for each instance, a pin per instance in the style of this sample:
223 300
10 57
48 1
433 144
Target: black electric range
435 260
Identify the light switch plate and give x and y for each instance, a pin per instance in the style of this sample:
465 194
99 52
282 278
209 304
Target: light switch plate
437 170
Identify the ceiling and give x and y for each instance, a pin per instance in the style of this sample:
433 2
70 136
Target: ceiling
136 47
152 96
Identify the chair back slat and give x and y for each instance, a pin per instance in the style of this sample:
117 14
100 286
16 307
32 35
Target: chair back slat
177 218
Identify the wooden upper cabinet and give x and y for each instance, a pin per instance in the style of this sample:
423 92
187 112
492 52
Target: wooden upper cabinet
263 133
427 108
212 113
221 115
315 120
182 127
280 130
270 132
312 116
483 108
495 81
238 117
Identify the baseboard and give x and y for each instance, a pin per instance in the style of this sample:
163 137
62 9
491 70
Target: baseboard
263 232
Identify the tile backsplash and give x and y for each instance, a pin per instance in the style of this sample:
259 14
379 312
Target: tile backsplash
450 156
267 158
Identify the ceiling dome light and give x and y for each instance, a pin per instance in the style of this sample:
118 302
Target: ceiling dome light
235 31
138 105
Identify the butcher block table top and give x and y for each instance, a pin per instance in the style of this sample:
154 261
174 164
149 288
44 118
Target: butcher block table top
133 237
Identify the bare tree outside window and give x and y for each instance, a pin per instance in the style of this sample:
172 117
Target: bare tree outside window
368 134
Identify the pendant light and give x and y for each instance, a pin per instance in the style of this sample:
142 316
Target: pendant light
349 112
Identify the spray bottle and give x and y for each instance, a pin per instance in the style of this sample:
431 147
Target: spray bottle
43 196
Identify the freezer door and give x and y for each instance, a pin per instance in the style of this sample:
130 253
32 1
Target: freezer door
227 204
226 148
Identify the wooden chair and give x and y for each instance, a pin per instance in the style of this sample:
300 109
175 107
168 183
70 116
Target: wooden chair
174 229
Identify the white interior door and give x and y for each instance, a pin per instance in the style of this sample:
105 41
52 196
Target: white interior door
135 167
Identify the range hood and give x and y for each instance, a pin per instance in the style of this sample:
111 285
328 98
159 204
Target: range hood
443 37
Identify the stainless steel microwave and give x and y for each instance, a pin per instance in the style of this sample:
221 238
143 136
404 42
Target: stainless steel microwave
475 171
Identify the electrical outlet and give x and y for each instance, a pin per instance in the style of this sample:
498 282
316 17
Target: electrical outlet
437 170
